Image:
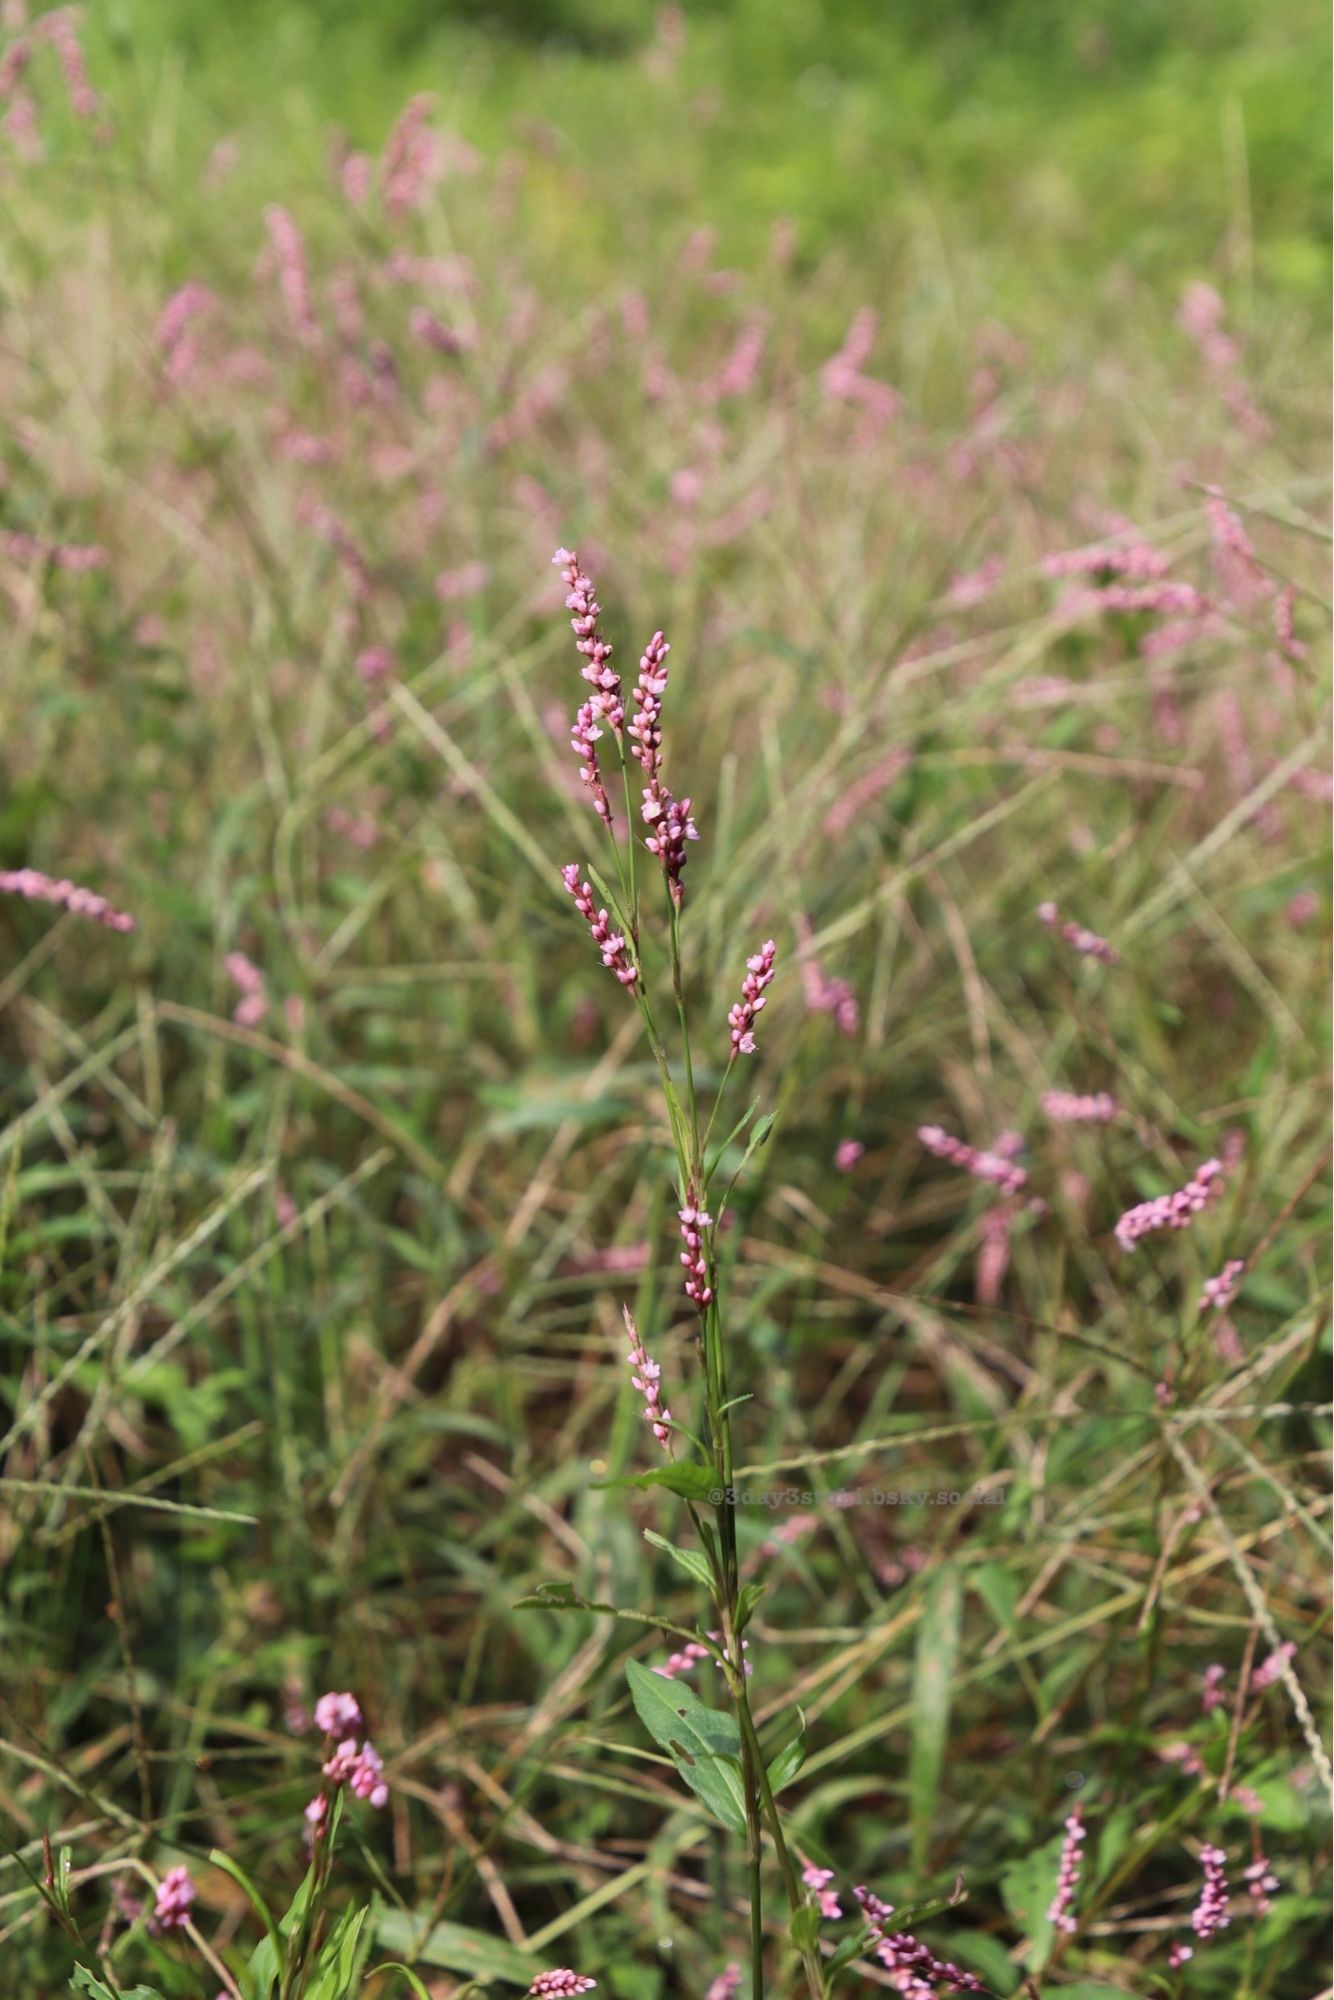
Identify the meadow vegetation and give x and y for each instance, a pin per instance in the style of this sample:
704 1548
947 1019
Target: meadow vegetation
980 491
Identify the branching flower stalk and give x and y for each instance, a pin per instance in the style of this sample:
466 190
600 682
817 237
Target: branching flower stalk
601 726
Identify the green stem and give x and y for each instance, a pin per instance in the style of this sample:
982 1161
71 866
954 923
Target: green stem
678 987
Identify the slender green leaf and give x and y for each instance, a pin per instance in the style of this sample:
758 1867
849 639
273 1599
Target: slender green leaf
693 1561
787 1763
455 1948
937 1656
686 1477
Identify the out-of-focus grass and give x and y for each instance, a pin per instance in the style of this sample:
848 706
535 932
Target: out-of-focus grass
345 1272
1080 137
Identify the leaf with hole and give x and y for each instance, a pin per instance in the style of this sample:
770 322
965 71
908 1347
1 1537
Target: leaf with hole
703 1743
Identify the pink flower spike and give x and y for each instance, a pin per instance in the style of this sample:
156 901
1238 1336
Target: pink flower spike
826 1901
1080 939
726 1985
248 980
582 601
671 827
1064 1107
1272 1669
1260 1885
1171 1211
916 1971
609 942
337 1713
1210 1913
695 1257
1211 1694
584 738
645 732
1219 1292
683 1662
646 1381
741 1018
548 1985
35 887
993 1166
1067 1880
175 1893
846 1155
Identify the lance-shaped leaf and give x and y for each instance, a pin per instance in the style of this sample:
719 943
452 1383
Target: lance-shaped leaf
785 1765
703 1743
691 1481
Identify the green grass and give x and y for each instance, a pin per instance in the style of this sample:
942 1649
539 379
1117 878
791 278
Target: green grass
313 1360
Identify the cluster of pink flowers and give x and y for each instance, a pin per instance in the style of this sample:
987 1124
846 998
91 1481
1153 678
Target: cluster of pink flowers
1211 1693
413 159
179 350
727 1985
1064 1107
1080 939
737 375
75 556
1138 561
175 1893
672 826
1243 576
609 942
584 739
60 29
582 601
842 379
689 1657
1219 1292
846 1155
1210 1913
646 1381
375 664
741 1017
1171 1211
914 1970
551 1985
1201 317
995 1165
826 1901
1265 1676
289 250
35 887
1167 599
466 581
1261 1884
432 331
1060 1914
695 1257
326 524
335 1713
830 996
248 980
645 731
1284 629
359 1766
973 586
605 702
783 1536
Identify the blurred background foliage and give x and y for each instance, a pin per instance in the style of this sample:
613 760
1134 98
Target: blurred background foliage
1077 133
